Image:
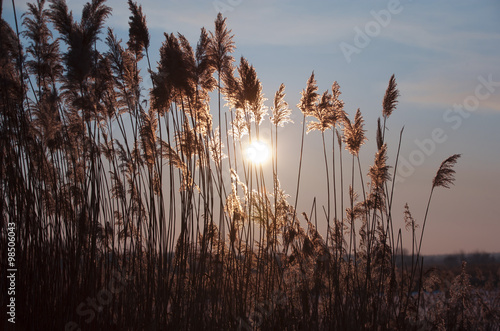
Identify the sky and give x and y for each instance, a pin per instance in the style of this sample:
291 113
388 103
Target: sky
446 59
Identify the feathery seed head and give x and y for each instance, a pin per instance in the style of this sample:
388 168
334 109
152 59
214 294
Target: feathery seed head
138 30
281 112
354 134
445 176
409 220
323 112
309 96
216 146
205 66
379 171
390 98
221 45
337 104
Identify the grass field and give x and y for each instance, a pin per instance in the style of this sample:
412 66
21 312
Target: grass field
135 209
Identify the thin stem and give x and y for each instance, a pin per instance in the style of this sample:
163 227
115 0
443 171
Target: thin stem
300 167
327 187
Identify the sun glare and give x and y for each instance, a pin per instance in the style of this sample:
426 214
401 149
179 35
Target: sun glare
257 152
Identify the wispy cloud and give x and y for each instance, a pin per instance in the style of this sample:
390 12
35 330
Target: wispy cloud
444 93
445 58
441 54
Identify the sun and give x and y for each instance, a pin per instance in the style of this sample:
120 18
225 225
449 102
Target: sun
257 152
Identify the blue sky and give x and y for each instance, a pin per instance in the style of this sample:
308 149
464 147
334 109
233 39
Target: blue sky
441 53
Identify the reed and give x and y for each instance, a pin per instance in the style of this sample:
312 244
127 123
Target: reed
134 211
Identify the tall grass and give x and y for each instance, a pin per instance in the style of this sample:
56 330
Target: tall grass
108 182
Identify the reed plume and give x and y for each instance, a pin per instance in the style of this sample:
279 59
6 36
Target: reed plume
308 96
148 134
252 91
280 111
205 67
408 218
45 65
379 171
216 147
221 46
354 133
138 30
244 93
323 112
240 126
176 72
445 176
390 98
80 37
45 62
338 113
187 141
